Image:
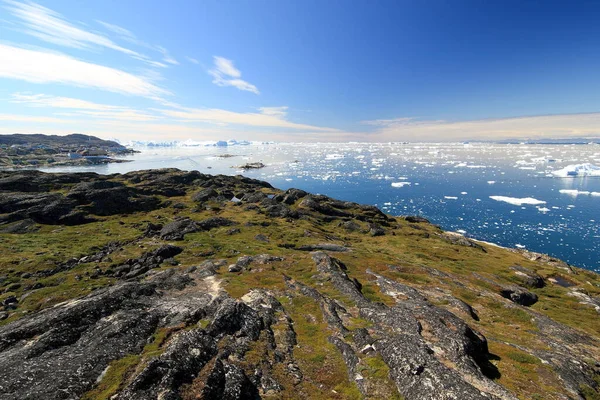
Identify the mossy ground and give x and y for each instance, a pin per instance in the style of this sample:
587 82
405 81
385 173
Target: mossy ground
413 248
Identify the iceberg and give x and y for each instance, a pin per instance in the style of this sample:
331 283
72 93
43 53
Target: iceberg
577 170
400 184
518 201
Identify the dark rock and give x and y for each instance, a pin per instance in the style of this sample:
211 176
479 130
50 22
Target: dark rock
281 211
376 230
254 197
20 227
323 246
167 251
261 238
10 300
176 230
519 295
350 226
179 364
458 239
205 195
110 198
416 219
253 165
13 287
292 195
234 268
215 222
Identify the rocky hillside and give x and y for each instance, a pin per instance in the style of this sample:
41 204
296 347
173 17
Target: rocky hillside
74 139
179 285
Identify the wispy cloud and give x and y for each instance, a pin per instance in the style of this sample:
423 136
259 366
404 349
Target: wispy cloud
121 32
31 119
78 107
50 26
529 127
279 112
166 56
192 60
127 35
272 117
43 67
224 73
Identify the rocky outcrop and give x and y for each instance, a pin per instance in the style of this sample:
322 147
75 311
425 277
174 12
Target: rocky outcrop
416 340
519 295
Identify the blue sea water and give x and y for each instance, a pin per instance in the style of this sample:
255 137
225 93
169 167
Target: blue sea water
450 184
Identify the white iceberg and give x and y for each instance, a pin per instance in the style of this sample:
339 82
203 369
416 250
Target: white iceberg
577 170
518 201
400 184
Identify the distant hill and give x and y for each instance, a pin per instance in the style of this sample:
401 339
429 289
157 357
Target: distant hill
74 139
551 141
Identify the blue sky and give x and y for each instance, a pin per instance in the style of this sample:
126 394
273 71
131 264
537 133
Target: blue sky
301 70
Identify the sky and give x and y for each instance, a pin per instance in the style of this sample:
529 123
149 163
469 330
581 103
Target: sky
309 70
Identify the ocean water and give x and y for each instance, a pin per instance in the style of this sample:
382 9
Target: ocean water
475 189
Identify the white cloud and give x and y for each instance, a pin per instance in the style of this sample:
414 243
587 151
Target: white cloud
30 118
43 67
80 107
166 56
50 26
274 111
192 60
530 127
130 37
122 32
224 73
272 117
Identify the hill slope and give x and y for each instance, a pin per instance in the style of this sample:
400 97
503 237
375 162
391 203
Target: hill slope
155 284
75 139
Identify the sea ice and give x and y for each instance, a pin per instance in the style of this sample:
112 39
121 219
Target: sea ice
400 184
574 192
518 201
577 170
451 197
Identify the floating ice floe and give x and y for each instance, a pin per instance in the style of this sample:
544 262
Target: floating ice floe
491 182
451 197
334 156
400 184
518 201
574 192
577 170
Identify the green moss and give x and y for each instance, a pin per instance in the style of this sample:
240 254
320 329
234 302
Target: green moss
589 393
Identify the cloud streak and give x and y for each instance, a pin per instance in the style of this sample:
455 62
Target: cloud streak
78 107
270 117
529 127
224 73
43 67
51 27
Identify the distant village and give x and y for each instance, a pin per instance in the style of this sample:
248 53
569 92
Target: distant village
59 152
